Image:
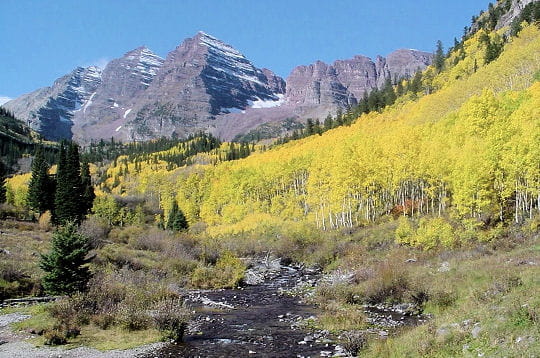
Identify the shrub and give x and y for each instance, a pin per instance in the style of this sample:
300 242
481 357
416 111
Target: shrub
443 299
434 232
389 284
68 315
132 313
354 342
227 273
404 232
96 230
171 317
45 221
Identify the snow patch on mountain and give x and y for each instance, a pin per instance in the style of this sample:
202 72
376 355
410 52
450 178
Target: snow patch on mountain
260 103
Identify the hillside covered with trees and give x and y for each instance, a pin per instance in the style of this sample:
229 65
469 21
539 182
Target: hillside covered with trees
423 201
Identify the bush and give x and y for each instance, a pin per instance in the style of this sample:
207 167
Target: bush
171 317
96 230
45 221
68 315
443 299
227 273
389 284
434 232
354 342
132 314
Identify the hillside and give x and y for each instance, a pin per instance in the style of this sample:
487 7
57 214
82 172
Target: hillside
417 156
17 139
406 225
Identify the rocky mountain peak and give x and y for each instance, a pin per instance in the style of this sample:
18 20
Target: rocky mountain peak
203 84
343 83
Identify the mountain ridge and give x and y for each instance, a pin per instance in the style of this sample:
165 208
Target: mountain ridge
204 84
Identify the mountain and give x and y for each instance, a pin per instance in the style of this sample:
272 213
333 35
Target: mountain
202 85
123 80
50 110
345 81
200 79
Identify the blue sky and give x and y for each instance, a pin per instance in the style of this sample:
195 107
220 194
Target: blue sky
42 40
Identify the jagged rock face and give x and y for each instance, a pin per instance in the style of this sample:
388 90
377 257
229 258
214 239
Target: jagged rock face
344 83
50 110
514 11
123 80
201 78
204 84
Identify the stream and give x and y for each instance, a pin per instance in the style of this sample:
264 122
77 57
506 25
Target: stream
258 320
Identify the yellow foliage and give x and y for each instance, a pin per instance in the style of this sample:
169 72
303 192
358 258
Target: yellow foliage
17 189
467 150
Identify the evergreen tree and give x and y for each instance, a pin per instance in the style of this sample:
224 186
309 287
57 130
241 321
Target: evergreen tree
389 93
438 60
399 88
40 196
65 266
328 122
310 127
177 220
3 174
68 202
416 83
88 194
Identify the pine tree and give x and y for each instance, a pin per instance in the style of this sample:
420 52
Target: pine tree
438 60
328 122
65 266
68 202
177 220
416 83
41 187
88 194
3 174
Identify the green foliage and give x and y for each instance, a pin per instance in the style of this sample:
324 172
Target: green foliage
227 273
3 189
18 140
41 188
530 14
88 194
72 200
65 266
438 59
177 220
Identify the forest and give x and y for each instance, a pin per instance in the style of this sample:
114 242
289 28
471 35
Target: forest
426 194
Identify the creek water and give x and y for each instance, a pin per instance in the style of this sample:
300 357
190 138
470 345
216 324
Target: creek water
256 321
262 320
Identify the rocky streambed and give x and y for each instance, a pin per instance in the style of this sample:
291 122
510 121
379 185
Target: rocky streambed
263 319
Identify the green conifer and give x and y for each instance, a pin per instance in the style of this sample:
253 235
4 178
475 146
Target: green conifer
88 194
177 220
40 197
3 174
65 266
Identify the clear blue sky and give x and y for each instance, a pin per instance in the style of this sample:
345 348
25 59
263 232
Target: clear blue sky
42 40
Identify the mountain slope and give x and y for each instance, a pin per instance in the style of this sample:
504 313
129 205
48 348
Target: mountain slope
123 80
204 84
50 110
200 79
436 154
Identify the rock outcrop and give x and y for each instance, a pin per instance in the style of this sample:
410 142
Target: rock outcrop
50 110
344 82
122 81
203 85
